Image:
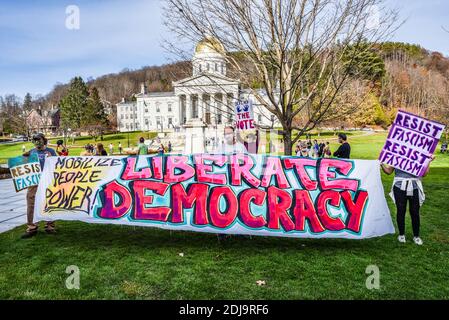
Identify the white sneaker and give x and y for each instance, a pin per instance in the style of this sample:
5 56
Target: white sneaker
401 239
418 241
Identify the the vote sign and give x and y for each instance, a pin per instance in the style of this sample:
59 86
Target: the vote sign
244 116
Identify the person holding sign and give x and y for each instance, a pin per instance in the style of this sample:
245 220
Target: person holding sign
42 151
231 145
408 151
407 188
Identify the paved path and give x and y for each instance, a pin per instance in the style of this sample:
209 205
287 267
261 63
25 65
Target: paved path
12 206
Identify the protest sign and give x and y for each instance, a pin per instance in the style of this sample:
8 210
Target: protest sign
25 171
235 194
244 115
410 143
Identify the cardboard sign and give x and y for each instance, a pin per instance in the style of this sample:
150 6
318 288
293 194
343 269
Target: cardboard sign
244 115
283 196
411 142
25 171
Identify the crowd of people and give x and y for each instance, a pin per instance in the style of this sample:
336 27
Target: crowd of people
317 149
234 143
313 150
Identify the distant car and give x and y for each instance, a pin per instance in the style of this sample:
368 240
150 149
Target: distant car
20 138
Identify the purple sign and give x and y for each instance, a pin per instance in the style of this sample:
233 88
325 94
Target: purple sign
410 143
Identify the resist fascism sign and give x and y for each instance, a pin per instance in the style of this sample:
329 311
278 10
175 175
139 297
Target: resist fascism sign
235 194
25 171
410 143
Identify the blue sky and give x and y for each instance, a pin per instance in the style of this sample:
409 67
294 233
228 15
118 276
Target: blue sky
37 50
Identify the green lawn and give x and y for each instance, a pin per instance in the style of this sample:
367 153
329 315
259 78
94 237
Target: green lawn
122 262
15 149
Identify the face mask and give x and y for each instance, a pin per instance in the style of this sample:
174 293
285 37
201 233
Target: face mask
229 138
38 143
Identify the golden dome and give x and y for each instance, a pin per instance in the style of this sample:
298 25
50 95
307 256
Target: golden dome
209 45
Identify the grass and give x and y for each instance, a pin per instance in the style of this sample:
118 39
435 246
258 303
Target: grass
123 262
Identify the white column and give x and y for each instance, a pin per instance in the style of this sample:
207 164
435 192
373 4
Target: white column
200 106
235 98
180 110
188 107
213 110
225 107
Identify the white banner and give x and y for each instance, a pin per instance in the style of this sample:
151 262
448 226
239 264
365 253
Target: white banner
235 194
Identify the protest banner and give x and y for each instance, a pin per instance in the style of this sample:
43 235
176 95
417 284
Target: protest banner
235 194
244 115
25 171
411 142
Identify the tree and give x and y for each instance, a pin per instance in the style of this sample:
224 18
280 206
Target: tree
295 48
27 102
11 115
370 113
363 61
95 119
73 105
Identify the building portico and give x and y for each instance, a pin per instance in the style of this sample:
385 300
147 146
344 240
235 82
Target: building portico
207 97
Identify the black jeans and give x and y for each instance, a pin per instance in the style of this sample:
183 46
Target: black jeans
401 207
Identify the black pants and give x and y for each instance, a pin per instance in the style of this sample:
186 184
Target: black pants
401 206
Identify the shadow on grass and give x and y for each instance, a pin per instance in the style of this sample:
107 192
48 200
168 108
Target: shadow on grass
84 236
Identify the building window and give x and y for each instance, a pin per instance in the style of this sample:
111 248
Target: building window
259 118
146 110
158 108
122 116
208 67
170 121
216 66
201 69
222 68
169 107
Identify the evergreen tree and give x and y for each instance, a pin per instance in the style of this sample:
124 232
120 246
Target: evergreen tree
364 62
73 105
95 119
27 102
